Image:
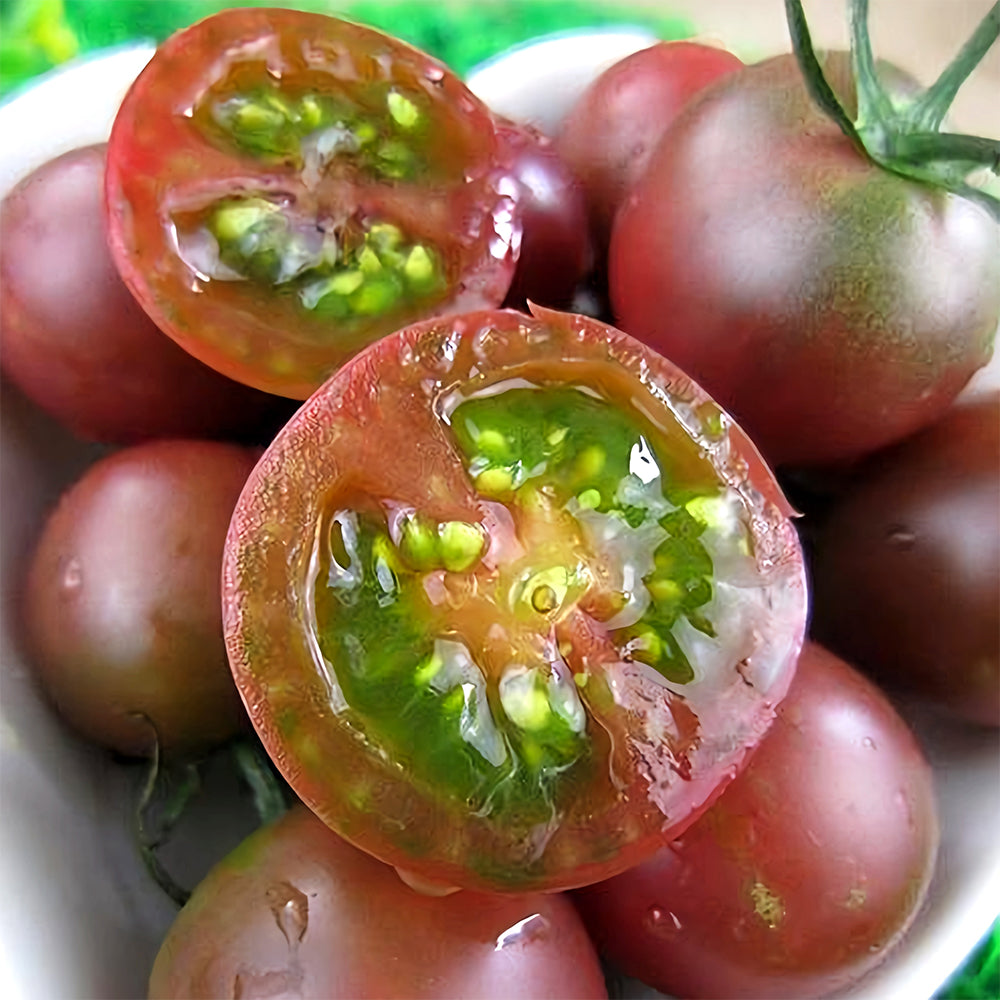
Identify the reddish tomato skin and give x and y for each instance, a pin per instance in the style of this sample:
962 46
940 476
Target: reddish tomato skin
805 872
375 430
162 164
907 565
611 132
297 909
832 307
121 606
555 243
78 344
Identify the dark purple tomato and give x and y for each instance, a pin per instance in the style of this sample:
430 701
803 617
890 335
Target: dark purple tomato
831 306
907 565
297 912
528 587
77 343
806 871
555 243
610 133
285 187
122 608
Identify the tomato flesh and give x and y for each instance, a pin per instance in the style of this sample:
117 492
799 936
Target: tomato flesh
504 604
285 187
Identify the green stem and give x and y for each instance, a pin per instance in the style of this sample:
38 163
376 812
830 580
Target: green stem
928 111
874 105
257 771
149 838
972 151
815 79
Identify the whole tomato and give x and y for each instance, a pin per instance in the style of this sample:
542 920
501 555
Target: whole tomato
611 132
295 911
526 586
906 565
121 606
832 306
806 871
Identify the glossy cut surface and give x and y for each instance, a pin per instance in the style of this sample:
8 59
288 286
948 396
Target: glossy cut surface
509 598
285 187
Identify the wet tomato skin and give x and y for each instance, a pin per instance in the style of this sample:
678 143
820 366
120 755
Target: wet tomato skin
555 243
611 132
642 756
188 140
830 306
906 567
299 910
121 605
807 870
78 344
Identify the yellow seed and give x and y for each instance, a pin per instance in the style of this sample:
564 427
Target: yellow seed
368 261
419 267
495 482
589 499
404 112
590 462
461 545
345 282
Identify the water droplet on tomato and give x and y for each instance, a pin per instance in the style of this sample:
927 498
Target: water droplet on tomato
434 73
524 932
72 578
900 537
868 743
290 907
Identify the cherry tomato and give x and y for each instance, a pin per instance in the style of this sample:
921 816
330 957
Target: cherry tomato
555 243
610 133
907 565
831 306
296 911
506 603
76 342
285 187
806 871
121 608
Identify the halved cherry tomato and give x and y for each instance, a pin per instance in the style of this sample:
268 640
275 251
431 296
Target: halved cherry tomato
285 187
506 603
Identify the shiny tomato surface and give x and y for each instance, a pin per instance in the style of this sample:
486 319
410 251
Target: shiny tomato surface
831 306
907 565
510 599
611 132
285 187
295 911
806 871
121 604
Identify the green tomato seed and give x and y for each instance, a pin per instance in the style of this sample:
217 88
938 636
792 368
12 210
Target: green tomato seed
462 545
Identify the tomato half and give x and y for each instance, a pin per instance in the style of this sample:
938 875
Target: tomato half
295 911
285 187
504 602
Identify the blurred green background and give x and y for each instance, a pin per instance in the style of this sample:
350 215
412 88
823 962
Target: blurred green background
37 35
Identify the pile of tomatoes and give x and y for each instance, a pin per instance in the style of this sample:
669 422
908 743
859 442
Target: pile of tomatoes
513 599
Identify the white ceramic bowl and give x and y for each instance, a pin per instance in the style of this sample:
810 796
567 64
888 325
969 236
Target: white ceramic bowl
78 915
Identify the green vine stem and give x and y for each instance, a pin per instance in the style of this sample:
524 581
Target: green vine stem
903 137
